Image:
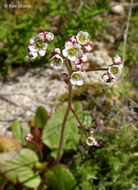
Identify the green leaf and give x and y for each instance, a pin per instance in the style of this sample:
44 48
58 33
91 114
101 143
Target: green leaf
51 132
20 131
29 178
40 117
18 166
8 143
60 178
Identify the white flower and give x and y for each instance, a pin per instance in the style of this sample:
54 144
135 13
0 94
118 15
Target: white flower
90 141
56 61
114 70
37 44
116 59
31 55
82 37
77 78
49 36
72 51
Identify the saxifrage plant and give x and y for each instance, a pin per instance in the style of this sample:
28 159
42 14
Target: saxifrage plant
29 143
72 57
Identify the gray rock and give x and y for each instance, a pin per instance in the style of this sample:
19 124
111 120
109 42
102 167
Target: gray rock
20 96
118 9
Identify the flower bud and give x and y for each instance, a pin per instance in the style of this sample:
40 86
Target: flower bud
77 61
29 137
73 39
87 47
64 77
83 58
49 36
91 133
116 59
57 51
107 78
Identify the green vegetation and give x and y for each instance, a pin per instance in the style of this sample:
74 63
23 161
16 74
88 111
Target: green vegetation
111 166
62 18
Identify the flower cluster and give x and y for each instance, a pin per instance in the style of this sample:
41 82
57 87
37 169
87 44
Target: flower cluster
38 44
91 141
29 137
74 51
114 71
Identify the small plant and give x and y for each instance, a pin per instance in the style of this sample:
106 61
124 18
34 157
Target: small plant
72 57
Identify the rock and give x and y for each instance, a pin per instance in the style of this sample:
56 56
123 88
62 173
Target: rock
118 9
97 58
25 91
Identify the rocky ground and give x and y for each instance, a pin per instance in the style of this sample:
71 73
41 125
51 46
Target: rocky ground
26 90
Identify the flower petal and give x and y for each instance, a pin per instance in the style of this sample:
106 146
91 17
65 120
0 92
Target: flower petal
45 46
65 52
68 45
77 45
32 48
32 40
79 53
40 36
41 52
80 82
72 58
74 82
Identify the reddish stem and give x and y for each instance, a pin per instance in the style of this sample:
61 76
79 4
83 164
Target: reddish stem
96 69
64 124
75 115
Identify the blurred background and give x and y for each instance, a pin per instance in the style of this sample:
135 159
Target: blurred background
111 111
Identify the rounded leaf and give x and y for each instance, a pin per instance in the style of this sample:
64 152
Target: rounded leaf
40 117
20 131
8 143
60 178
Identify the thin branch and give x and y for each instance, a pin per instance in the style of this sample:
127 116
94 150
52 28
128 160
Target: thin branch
96 69
75 115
